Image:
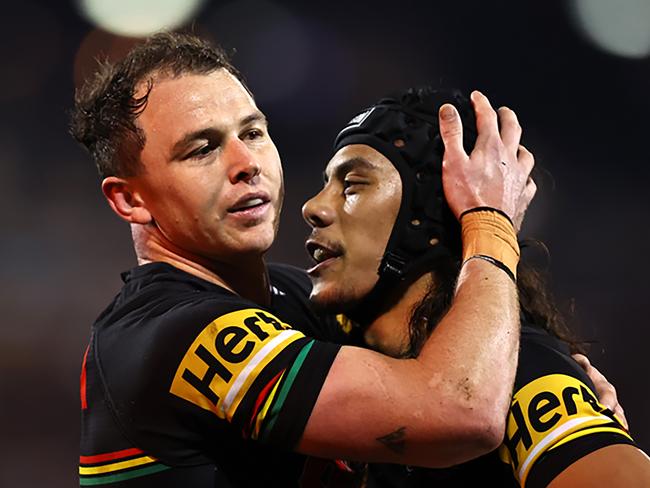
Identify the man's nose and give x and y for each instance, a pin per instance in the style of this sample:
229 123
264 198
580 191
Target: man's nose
241 163
317 212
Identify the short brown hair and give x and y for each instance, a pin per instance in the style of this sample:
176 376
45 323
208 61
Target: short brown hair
105 108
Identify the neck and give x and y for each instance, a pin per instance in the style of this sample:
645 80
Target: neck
389 331
244 275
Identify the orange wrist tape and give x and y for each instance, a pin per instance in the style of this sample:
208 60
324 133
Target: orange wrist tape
489 235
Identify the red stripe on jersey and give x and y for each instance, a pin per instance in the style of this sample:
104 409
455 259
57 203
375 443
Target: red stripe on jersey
344 466
82 386
110 456
261 398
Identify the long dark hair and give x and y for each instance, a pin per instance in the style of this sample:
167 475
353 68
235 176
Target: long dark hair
537 305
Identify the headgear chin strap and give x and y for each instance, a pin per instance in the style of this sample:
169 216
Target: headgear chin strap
404 128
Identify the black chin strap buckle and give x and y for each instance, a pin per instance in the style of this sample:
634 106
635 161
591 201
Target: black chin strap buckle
393 265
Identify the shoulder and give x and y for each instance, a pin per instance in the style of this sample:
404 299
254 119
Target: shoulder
190 360
200 361
541 354
159 303
156 330
165 323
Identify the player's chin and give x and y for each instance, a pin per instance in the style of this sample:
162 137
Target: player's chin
258 238
327 296
321 294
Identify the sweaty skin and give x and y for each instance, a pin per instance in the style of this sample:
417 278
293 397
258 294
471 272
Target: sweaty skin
360 183
207 147
208 202
339 209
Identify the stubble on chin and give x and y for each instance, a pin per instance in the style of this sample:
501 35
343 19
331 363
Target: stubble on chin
276 220
333 301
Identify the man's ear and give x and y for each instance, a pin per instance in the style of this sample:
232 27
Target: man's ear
125 200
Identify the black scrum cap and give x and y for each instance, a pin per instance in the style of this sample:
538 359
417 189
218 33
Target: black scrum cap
404 128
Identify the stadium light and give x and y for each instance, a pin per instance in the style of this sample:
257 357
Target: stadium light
619 27
138 18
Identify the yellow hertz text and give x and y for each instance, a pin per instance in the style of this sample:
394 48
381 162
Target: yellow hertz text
544 413
226 357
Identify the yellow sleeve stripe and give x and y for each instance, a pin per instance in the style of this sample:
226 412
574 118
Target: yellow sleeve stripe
226 358
344 322
108 468
263 411
257 363
588 431
568 427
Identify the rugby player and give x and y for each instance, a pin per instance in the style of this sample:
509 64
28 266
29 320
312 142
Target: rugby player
388 162
208 364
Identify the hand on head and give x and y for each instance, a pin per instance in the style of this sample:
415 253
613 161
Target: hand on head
497 172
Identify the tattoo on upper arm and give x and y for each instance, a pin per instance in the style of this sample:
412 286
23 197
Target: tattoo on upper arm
395 441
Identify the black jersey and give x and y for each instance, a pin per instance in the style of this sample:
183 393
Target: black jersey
554 420
187 384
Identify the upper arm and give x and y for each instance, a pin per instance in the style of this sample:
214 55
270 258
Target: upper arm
251 370
273 384
248 373
614 465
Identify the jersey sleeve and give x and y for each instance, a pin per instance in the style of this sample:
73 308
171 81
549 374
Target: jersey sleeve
555 417
255 372
196 380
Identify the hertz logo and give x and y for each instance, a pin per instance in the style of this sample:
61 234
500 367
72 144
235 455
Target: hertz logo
226 357
546 412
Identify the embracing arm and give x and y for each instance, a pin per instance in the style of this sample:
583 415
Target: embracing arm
449 404
604 389
446 406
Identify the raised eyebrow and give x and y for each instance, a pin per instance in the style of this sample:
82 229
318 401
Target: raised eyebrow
254 117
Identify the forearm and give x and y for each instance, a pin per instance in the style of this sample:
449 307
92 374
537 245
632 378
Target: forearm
445 407
449 404
474 348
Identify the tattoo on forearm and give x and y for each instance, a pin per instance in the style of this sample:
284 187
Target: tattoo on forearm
395 441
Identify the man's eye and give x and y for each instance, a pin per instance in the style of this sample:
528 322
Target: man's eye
351 186
253 134
201 151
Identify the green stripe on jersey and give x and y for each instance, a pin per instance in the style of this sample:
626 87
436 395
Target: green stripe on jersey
113 478
284 392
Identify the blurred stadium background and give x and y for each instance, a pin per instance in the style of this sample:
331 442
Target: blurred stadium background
576 71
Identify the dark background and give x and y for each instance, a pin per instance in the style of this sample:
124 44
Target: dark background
312 66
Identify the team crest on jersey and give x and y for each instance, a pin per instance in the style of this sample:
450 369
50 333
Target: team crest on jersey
547 412
226 357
